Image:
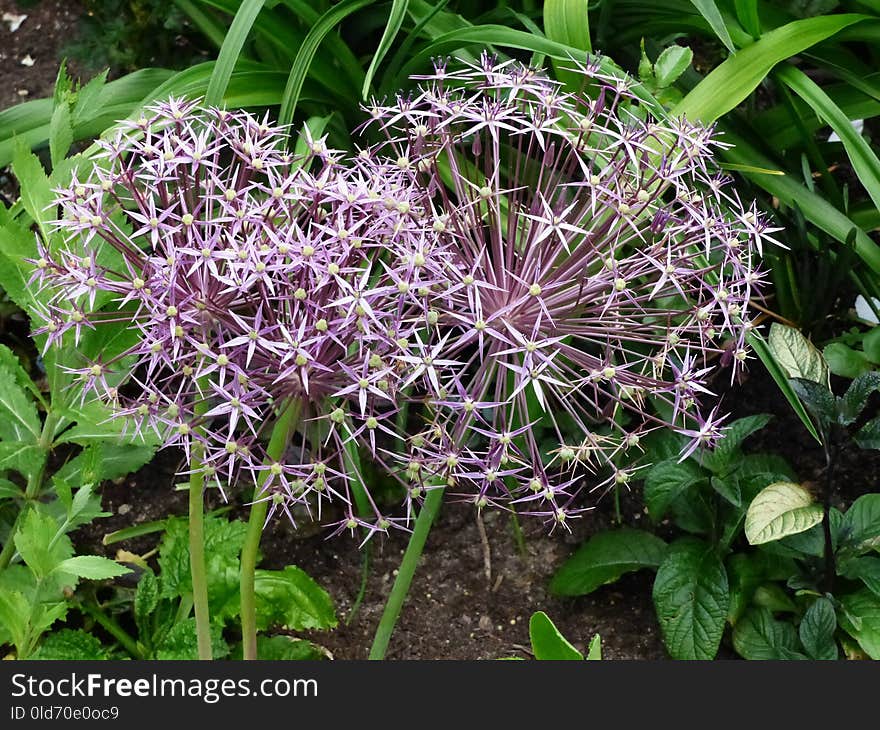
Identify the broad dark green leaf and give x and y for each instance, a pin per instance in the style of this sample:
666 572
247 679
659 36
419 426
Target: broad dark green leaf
757 635
181 642
845 361
666 481
817 630
604 558
861 523
691 597
856 397
868 436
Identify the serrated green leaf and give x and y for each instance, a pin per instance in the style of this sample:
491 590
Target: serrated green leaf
782 509
146 598
759 636
24 458
92 567
14 612
671 64
548 643
817 630
181 642
19 420
60 133
223 542
36 192
40 545
71 645
796 354
604 558
10 362
861 620
691 597
292 600
668 480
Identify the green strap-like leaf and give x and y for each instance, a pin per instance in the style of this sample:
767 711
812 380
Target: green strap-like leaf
864 160
740 75
392 27
566 21
231 49
709 10
300 68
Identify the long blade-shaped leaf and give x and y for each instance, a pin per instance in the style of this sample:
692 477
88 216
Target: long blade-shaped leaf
815 208
231 49
709 10
566 21
392 27
864 160
740 75
300 68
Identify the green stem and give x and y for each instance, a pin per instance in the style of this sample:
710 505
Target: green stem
284 427
400 589
33 488
197 552
113 628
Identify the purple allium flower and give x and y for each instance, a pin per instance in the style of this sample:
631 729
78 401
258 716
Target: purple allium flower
600 267
252 279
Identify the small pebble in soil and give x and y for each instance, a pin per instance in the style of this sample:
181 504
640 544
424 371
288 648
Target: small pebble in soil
124 509
485 623
27 60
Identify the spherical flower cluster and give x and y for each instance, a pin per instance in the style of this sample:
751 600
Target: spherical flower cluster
602 270
509 291
252 280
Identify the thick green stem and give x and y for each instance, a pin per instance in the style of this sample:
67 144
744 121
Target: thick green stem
400 589
197 552
284 427
113 628
34 486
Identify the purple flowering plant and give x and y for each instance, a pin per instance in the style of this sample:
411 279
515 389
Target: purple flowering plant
503 296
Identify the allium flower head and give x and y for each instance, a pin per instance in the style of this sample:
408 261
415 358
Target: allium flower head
601 268
251 279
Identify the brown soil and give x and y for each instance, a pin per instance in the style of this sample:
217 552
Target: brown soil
49 26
